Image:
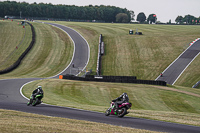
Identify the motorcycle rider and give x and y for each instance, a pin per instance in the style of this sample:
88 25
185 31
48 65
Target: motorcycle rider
37 91
121 99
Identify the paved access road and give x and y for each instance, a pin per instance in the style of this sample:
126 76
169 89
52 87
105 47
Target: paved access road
10 98
176 68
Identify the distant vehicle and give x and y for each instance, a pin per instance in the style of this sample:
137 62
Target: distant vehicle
9 17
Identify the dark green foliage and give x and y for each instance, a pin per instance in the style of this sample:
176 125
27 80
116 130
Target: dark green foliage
179 19
152 18
141 17
122 18
188 19
103 13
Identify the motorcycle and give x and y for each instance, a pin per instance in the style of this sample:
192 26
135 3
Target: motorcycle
121 111
36 100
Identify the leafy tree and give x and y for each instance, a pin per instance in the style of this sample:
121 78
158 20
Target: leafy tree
188 19
122 18
152 18
132 15
179 19
198 20
170 21
141 17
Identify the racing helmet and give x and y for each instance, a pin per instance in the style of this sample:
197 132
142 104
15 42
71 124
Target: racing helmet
39 87
124 94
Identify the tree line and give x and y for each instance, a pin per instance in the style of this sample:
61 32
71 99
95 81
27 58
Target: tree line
141 18
187 19
43 10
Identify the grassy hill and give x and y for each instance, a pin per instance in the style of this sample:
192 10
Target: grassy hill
13 41
50 55
174 104
142 56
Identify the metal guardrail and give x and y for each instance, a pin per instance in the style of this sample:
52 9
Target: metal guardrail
99 56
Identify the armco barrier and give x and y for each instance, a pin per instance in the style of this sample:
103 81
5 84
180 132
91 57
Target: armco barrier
99 56
16 64
116 79
112 77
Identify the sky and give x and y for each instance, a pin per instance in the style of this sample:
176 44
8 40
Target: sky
164 9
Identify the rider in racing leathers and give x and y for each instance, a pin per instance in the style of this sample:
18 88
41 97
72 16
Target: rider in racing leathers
121 99
37 91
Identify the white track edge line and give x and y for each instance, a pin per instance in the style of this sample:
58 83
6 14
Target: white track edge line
74 49
185 68
177 58
63 70
50 104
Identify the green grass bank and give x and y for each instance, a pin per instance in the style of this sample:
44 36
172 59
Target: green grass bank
14 41
50 55
177 104
143 56
20 122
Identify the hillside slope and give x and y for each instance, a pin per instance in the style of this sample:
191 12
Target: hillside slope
143 56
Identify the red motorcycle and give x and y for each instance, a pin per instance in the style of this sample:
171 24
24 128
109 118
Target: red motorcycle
120 112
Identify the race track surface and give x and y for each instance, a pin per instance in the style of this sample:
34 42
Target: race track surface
10 98
81 51
176 68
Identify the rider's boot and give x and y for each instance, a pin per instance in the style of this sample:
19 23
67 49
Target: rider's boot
28 103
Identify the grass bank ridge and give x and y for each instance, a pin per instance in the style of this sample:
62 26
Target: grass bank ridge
17 63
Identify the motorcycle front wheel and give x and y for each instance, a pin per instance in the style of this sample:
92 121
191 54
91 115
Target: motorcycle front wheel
107 113
30 102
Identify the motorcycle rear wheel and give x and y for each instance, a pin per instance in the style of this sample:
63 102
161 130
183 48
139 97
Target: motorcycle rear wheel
36 102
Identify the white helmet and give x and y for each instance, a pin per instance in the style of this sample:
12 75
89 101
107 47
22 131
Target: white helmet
40 87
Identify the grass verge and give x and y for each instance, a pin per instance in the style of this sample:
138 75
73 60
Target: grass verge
191 75
152 102
14 41
19 122
50 55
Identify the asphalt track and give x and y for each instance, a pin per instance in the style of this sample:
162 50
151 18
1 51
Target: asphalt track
176 68
81 54
10 98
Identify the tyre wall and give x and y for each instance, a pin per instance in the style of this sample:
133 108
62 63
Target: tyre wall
116 79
